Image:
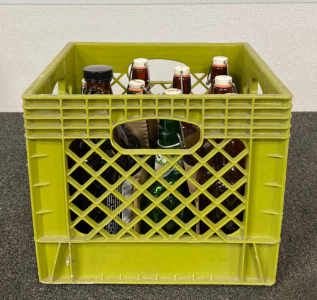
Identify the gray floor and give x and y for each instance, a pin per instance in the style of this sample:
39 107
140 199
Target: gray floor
297 268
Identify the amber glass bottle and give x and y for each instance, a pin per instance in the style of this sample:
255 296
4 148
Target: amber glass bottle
223 84
218 67
98 79
140 70
182 80
136 86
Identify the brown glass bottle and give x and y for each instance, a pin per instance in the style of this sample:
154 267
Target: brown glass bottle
233 175
234 148
98 78
218 67
217 89
223 85
182 75
136 86
140 70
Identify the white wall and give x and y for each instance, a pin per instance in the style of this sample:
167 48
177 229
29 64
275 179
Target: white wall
283 34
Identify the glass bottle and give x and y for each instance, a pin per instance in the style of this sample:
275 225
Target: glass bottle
182 80
169 133
223 84
191 132
140 70
141 127
136 86
98 79
83 86
232 176
218 67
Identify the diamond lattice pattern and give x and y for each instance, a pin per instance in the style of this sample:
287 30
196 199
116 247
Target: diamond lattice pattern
120 81
107 199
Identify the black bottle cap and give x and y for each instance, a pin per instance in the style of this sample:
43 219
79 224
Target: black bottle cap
98 73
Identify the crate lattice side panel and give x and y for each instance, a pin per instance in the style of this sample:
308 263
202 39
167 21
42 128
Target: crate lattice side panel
80 192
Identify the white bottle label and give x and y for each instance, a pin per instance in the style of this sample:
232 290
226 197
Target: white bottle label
127 189
160 162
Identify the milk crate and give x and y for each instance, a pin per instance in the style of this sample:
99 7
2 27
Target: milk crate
52 121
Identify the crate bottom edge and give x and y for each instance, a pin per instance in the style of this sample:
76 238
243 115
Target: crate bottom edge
133 281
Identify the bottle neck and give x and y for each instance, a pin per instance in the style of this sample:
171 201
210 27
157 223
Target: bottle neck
187 87
168 133
103 87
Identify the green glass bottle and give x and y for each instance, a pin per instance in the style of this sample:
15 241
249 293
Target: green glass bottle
168 136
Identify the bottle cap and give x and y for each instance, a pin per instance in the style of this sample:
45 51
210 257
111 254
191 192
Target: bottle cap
185 69
223 81
220 61
98 73
136 84
140 63
173 92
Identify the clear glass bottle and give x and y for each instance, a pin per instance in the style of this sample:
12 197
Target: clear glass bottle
218 67
140 70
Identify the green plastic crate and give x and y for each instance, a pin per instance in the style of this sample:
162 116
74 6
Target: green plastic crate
52 122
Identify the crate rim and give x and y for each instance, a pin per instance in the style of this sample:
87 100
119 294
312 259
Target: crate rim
29 93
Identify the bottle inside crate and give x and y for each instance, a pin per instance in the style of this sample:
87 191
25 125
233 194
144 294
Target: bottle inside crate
222 85
170 136
140 71
98 79
218 67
